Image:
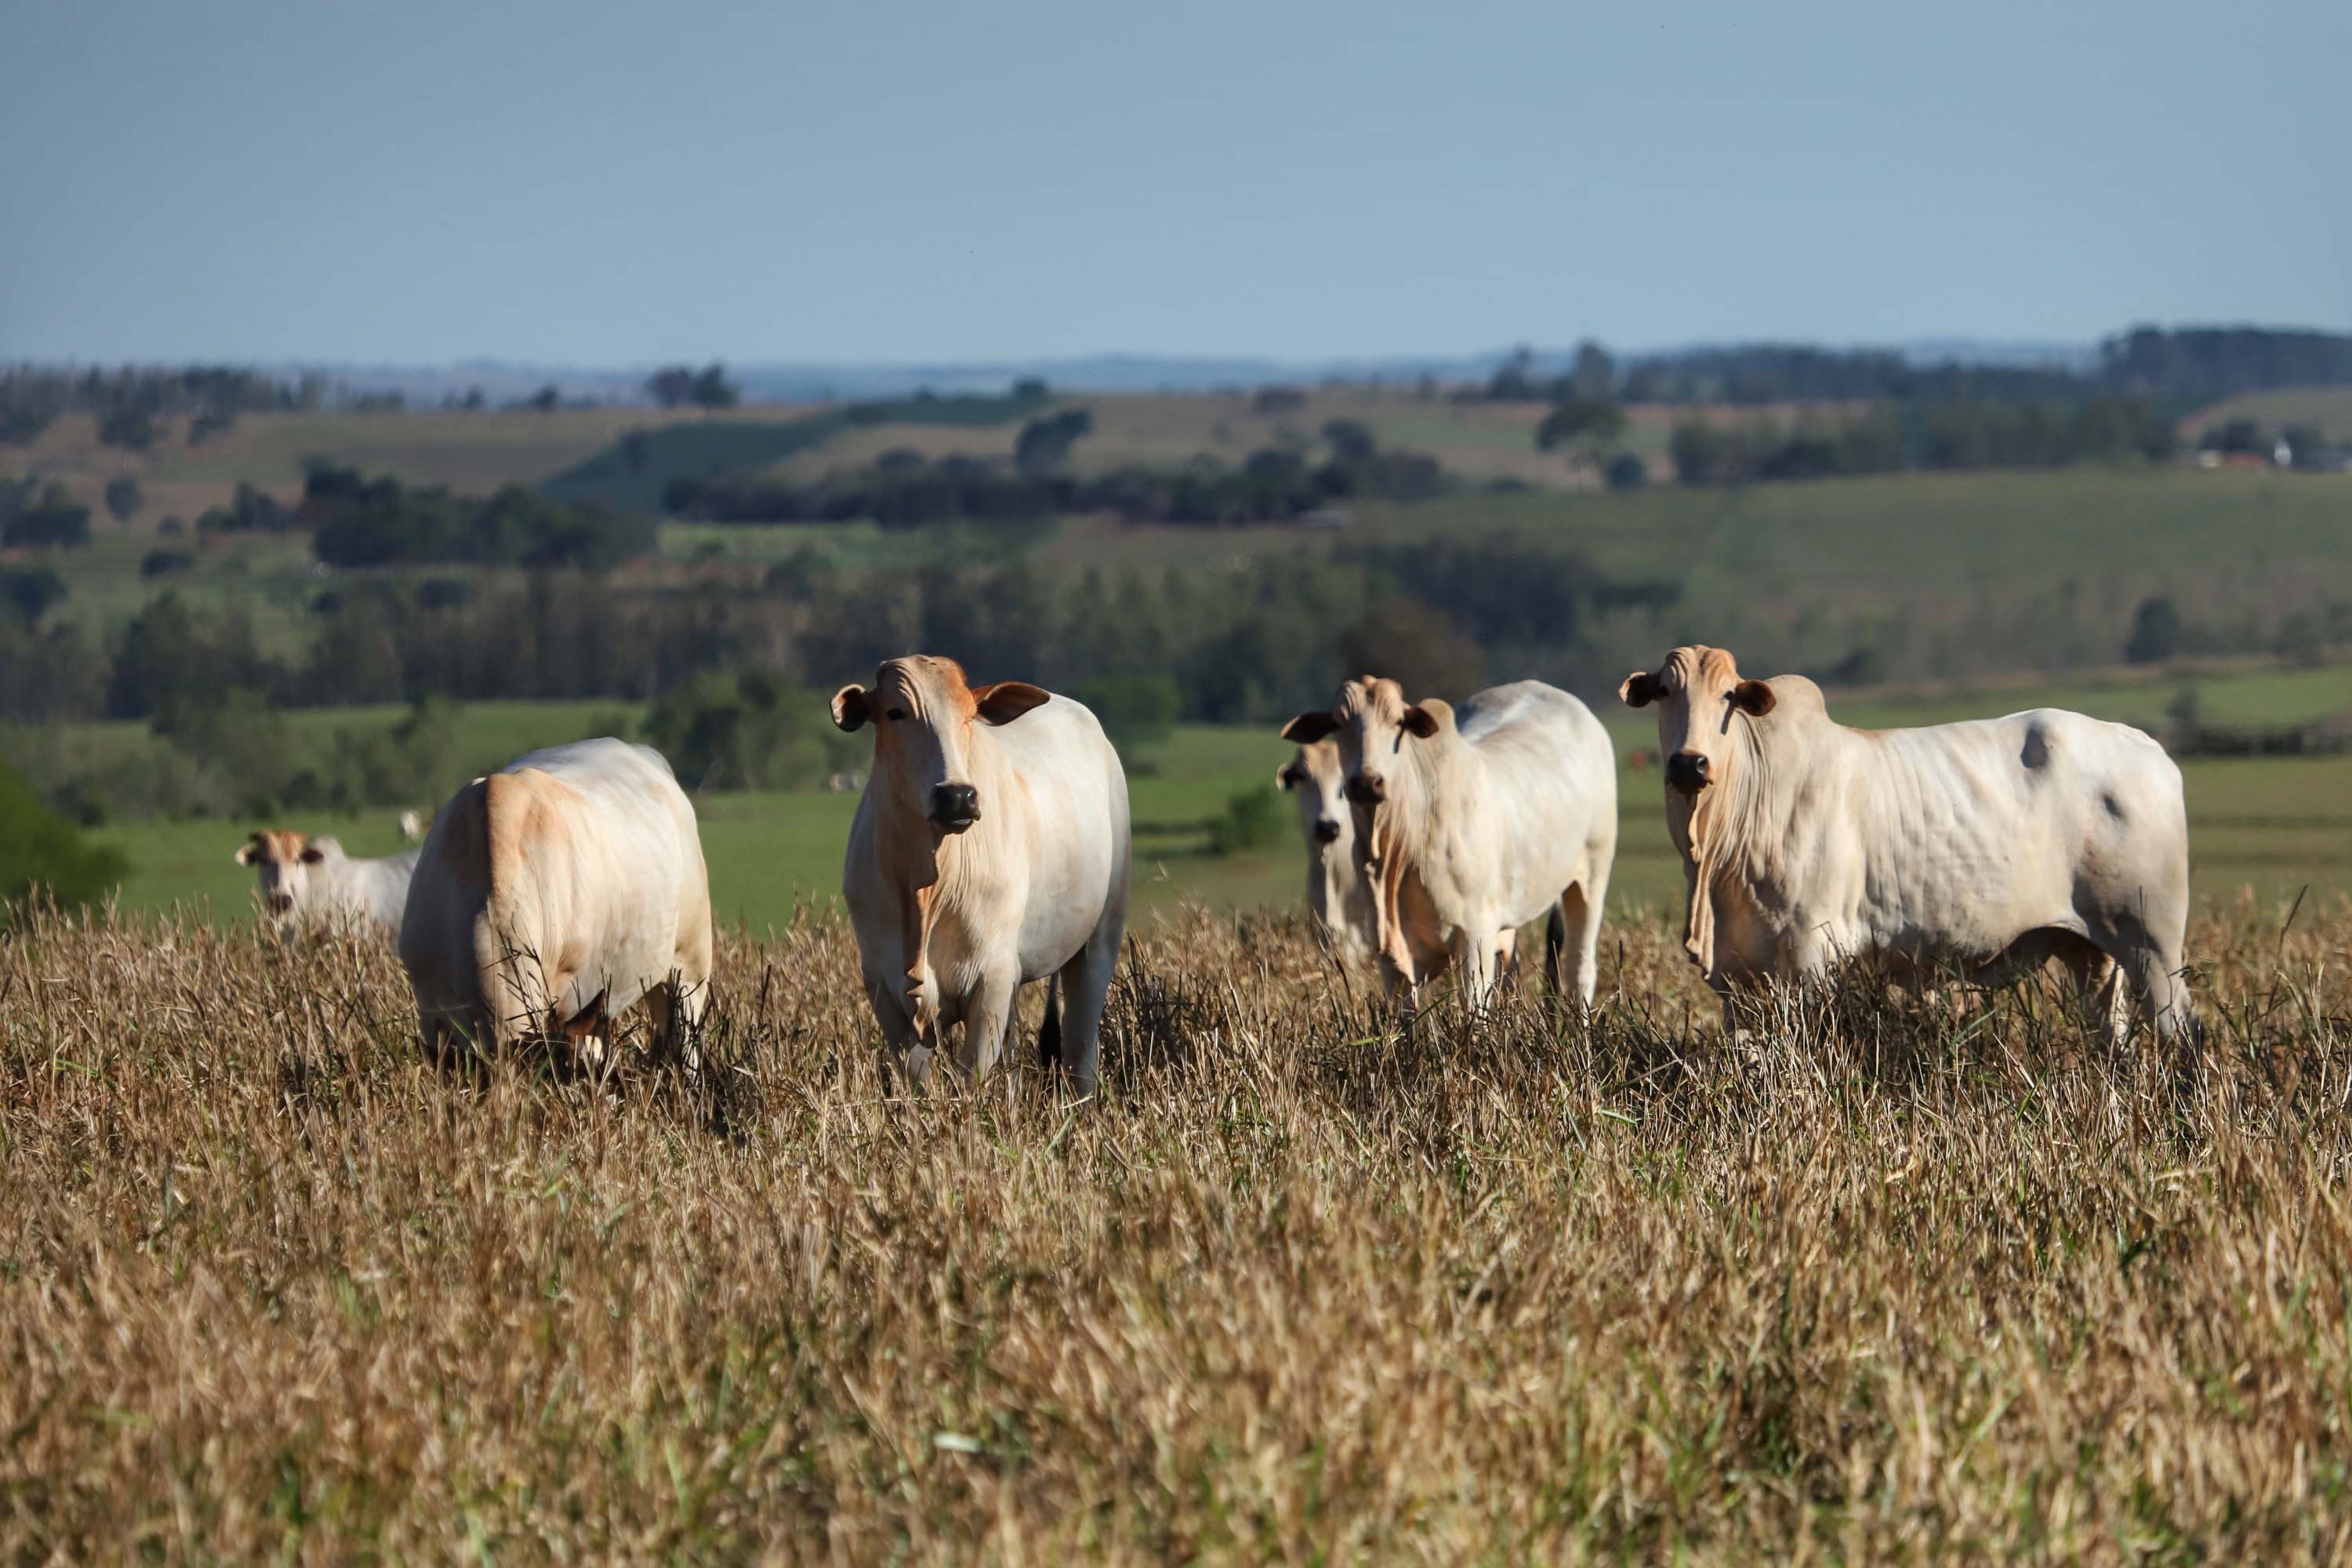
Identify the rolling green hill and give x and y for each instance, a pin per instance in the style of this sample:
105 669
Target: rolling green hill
638 468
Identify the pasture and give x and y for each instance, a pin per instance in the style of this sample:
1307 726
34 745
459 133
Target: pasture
469 451
1895 1280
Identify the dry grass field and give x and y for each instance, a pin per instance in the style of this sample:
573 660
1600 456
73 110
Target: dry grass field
472 452
1893 1278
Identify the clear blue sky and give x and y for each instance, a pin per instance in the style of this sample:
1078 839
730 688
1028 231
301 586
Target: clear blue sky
564 181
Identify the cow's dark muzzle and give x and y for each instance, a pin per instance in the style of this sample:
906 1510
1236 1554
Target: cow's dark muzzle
1368 789
1327 830
954 808
1688 771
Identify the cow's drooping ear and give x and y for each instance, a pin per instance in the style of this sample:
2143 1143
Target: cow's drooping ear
1308 728
1008 699
1419 721
849 709
1286 777
1754 697
249 851
316 850
1640 690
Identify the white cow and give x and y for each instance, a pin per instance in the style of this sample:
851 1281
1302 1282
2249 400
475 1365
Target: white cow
1988 847
1336 889
310 884
1469 823
990 850
553 895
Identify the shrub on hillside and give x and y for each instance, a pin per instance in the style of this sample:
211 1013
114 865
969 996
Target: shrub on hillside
381 523
1135 710
52 520
746 731
31 594
39 849
1251 820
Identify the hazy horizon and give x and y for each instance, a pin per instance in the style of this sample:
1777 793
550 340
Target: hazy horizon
560 185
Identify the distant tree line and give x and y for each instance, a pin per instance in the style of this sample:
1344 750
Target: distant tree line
906 490
1233 643
359 522
130 402
1224 643
2203 363
2178 368
1932 436
682 386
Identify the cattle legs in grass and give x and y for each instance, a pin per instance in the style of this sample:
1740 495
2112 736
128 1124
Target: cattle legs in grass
1573 933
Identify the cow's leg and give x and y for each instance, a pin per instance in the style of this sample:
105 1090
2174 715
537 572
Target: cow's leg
986 1013
1579 911
2146 944
1473 953
1396 980
445 1045
687 998
902 1045
2099 982
2163 996
675 1007
1085 991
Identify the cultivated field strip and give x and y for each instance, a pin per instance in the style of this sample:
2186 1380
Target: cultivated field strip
1892 1278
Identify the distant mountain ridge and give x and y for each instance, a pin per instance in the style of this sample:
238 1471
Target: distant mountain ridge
2178 365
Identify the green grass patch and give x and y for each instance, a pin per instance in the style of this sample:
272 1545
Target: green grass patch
634 472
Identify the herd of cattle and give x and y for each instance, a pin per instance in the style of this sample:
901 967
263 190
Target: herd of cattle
991 850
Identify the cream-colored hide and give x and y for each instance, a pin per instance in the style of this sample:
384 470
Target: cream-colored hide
990 850
1988 847
554 894
1471 822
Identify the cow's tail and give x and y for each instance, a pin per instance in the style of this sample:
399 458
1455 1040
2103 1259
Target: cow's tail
1049 1032
1555 945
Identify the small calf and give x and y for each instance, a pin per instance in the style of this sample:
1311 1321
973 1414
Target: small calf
308 883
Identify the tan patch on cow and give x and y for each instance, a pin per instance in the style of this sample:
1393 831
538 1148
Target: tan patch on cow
528 817
914 681
1697 668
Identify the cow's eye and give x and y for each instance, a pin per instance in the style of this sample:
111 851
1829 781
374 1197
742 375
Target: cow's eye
895 713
